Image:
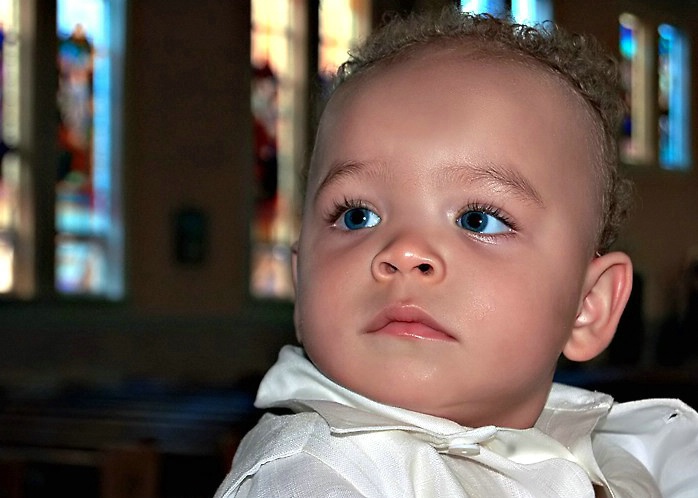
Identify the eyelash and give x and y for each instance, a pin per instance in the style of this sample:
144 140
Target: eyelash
492 211
339 208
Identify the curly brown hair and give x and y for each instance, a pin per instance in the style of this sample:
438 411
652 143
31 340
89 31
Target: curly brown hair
578 60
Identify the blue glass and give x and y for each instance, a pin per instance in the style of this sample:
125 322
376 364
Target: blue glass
523 11
532 11
496 7
628 43
628 47
673 122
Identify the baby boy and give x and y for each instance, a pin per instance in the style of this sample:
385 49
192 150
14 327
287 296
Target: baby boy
461 202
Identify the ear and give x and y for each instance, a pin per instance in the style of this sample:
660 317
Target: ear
607 286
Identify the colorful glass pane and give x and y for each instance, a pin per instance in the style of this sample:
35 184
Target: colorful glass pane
523 11
9 136
495 7
279 104
341 24
672 93
636 142
275 91
628 49
88 242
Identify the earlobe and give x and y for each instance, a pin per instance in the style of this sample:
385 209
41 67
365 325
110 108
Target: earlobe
606 291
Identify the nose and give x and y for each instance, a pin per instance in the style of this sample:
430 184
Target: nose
408 256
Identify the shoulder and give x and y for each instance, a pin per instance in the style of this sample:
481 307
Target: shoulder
273 438
276 437
652 423
281 453
662 434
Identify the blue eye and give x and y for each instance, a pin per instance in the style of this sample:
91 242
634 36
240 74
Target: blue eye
357 218
482 222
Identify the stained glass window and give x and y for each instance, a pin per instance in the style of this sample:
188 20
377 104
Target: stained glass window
341 24
672 93
9 137
636 144
523 11
279 106
645 140
278 65
89 250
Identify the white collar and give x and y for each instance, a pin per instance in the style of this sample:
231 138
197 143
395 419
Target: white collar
563 429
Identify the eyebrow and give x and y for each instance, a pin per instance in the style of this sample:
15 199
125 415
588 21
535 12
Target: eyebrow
348 169
496 176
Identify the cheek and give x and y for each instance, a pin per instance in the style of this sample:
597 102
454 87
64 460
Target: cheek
325 282
328 259
528 309
323 315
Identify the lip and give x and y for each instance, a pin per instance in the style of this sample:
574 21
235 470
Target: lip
408 321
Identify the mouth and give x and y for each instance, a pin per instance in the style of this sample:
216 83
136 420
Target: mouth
410 322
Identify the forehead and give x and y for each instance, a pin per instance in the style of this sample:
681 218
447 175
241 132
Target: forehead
443 81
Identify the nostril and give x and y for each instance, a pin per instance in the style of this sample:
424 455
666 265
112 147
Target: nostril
389 268
425 268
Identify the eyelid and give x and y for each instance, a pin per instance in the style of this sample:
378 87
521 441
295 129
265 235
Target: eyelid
338 208
492 211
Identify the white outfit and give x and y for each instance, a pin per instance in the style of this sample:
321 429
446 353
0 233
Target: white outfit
340 444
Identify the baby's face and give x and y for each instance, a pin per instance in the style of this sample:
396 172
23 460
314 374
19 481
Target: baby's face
448 226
